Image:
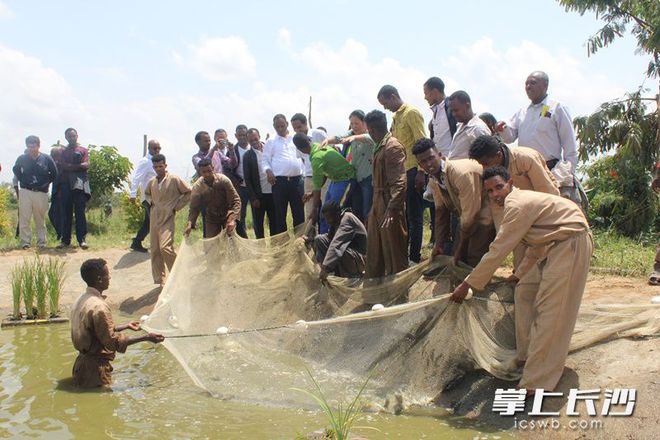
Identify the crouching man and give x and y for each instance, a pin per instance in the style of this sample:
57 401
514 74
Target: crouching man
546 307
93 331
341 251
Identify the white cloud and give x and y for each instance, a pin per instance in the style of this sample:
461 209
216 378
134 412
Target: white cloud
219 59
5 12
284 38
37 99
495 77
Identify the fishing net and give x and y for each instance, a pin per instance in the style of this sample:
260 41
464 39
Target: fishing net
245 317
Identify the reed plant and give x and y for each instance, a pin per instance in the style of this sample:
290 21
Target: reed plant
16 290
40 287
27 288
341 418
55 276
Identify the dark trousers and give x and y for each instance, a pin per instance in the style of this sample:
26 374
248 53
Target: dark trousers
55 212
241 228
144 229
266 208
414 216
73 203
362 195
288 191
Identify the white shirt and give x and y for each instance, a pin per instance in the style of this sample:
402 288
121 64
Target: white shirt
441 132
546 127
465 135
144 172
266 187
317 137
281 157
241 151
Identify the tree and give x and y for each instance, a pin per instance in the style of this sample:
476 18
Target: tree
619 185
618 14
108 171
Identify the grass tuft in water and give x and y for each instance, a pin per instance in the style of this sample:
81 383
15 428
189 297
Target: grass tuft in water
16 290
40 287
54 269
27 288
341 418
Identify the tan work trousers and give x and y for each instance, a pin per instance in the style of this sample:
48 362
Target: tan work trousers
162 249
32 204
547 301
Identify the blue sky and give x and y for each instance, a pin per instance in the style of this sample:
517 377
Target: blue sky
118 70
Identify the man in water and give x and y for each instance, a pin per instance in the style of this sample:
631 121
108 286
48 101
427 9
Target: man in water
93 331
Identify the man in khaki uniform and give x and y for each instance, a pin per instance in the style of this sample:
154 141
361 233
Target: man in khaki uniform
166 194
93 331
387 235
546 312
528 171
526 166
457 189
217 195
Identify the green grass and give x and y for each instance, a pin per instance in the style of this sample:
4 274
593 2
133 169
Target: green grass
40 287
340 418
618 255
16 291
54 269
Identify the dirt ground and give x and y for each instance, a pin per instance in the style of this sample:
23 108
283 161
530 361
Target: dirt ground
621 363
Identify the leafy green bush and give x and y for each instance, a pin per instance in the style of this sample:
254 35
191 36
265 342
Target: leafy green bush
620 196
108 171
5 223
133 212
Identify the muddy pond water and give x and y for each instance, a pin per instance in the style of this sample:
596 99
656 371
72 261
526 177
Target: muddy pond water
152 397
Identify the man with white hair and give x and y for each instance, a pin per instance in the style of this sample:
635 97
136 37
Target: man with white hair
544 125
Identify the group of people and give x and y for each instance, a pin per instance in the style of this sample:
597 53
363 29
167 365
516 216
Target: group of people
66 170
367 190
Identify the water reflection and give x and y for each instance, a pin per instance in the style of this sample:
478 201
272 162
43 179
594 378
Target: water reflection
152 397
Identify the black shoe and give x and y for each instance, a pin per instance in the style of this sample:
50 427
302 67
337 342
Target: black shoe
137 247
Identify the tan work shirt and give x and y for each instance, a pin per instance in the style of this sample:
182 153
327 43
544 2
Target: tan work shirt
166 197
529 171
462 193
219 198
537 219
92 327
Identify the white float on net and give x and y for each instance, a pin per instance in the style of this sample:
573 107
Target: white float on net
377 307
144 318
222 330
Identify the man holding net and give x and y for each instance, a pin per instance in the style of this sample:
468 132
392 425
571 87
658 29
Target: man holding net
545 310
93 331
216 198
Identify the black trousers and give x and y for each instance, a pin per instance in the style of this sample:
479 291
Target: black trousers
241 228
144 229
288 191
73 202
266 208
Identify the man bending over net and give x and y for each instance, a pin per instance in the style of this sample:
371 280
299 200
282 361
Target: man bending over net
341 251
547 297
